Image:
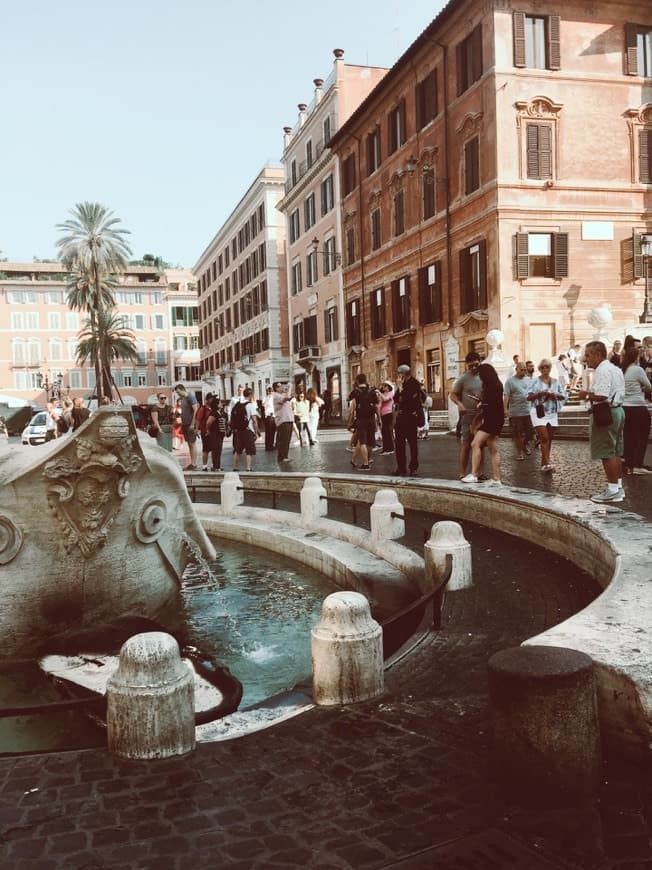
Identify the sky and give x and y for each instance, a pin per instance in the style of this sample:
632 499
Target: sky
164 111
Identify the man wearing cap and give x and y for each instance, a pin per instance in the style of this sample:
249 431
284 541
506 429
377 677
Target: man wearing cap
408 400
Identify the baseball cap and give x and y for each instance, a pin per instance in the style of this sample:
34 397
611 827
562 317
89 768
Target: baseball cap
403 370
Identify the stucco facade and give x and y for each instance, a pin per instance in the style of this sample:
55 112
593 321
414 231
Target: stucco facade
243 293
499 177
38 333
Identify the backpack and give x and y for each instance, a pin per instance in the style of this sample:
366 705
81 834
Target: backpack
365 404
239 420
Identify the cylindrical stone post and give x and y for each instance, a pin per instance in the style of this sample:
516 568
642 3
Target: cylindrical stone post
151 700
384 526
347 651
231 491
545 722
447 537
313 499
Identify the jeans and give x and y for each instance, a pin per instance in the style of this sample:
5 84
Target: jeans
283 435
637 429
406 431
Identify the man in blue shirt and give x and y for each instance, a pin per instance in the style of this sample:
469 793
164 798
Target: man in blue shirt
517 406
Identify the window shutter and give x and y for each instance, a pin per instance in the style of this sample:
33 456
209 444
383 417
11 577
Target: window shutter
459 66
436 309
419 104
545 150
422 278
403 124
518 30
554 42
465 280
631 51
476 48
323 199
638 255
522 256
482 290
645 156
532 138
560 254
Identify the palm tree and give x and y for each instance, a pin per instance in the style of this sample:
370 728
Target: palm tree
94 249
104 340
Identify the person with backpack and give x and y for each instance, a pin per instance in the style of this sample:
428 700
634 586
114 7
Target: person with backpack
216 427
189 408
201 420
243 423
408 399
363 411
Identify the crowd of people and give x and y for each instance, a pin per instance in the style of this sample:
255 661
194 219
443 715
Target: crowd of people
394 416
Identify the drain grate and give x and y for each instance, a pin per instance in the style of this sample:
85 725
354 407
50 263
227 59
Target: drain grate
488 850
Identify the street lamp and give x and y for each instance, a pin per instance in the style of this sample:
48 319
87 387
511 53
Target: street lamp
646 253
336 257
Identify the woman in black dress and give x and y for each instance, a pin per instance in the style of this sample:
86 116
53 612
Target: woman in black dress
493 417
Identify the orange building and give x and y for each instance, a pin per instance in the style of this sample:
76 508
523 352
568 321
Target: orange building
38 333
499 177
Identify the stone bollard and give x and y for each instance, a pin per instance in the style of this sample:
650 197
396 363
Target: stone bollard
151 700
545 722
313 499
384 526
347 651
232 493
447 537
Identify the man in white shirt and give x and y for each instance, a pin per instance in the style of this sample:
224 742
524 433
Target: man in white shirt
607 389
270 423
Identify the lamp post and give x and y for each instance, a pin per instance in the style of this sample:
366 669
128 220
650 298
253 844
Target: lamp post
52 388
646 253
336 257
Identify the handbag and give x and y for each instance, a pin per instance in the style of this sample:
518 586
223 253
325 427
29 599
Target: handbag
602 414
540 411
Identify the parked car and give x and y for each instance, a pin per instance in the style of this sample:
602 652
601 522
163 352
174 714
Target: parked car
35 431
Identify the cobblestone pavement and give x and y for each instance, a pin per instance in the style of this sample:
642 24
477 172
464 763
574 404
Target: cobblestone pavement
373 785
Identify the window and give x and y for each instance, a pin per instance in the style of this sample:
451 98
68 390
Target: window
348 175
296 278
55 349
311 269
293 172
158 321
309 212
396 128
294 226
469 60
142 380
327 195
180 342
645 156
471 165
162 379
473 277
536 41
330 258
330 324
160 352
425 98
378 313
430 293
429 193
373 151
541 255
72 320
327 130
350 246
139 321
399 213
638 45
401 304
75 380
127 380
18 351
539 150
297 335
236 315
54 320
433 371
309 157
375 229
353 331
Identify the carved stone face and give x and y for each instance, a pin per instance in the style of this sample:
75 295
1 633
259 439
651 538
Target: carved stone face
92 528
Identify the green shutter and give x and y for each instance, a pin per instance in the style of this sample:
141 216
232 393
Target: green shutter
631 50
554 42
518 30
522 255
560 254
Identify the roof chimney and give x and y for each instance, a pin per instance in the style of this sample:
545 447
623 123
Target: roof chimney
302 113
287 136
318 92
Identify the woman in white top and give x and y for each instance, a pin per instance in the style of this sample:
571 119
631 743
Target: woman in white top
547 396
637 415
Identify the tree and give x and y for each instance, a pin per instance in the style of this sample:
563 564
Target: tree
105 340
94 249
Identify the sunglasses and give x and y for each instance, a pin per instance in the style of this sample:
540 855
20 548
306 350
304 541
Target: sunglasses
544 367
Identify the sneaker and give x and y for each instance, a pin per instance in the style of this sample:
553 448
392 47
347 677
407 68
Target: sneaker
469 478
350 449
641 471
204 468
387 453
190 468
365 467
546 468
609 497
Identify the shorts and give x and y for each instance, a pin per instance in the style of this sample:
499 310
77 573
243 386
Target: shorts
190 437
366 432
244 441
607 442
465 429
521 426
